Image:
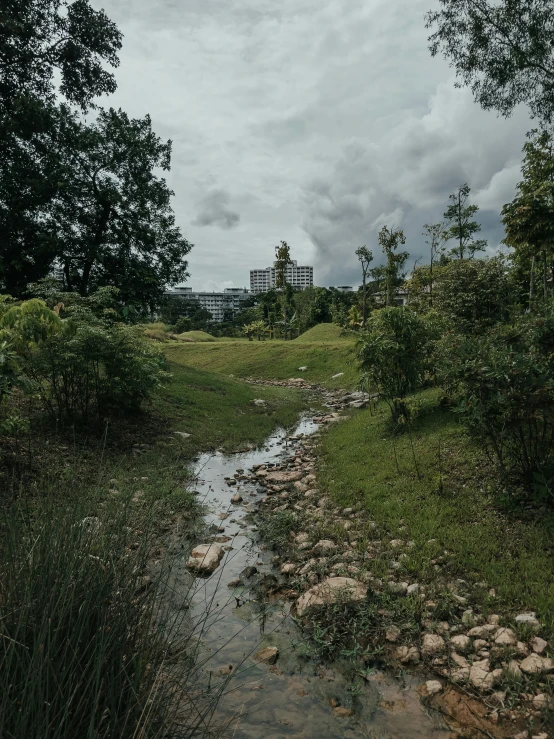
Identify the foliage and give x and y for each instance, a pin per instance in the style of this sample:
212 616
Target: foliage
501 49
365 257
43 41
182 324
529 217
460 227
282 261
472 294
503 382
85 366
275 530
113 215
389 276
394 355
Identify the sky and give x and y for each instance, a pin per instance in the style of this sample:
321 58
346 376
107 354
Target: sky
314 122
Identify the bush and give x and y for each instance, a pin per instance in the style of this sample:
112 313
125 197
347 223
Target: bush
182 325
503 385
83 366
394 355
472 294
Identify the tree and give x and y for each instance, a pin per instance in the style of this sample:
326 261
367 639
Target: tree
437 237
282 260
529 218
390 274
365 257
502 49
40 41
113 214
460 227
473 294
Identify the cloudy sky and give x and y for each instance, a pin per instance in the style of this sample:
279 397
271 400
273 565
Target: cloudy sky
313 122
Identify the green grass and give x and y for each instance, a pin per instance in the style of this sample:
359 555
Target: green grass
277 359
218 412
195 336
324 332
486 537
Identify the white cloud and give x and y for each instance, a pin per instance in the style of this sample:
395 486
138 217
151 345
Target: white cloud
315 122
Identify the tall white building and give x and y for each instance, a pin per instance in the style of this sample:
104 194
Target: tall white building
231 299
264 279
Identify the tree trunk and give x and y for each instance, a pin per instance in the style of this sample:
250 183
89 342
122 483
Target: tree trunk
545 274
532 282
103 219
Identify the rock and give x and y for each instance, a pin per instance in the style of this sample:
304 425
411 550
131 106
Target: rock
460 675
302 369
479 644
331 590
324 545
481 677
392 634
205 558
342 712
528 618
282 477
479 631
461 642
429 688
538 645
182 434
268 655
225 670
505 638
458 660
540 702
398 588
248 572
432 644
407 655
542 735
339 374
535 664
288 568
413 589
234 584
236 498
259 402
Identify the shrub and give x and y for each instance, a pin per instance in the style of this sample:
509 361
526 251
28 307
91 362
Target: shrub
472 294
83 366
394 355
182 325
503 384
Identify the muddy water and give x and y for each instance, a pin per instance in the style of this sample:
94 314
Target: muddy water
294 697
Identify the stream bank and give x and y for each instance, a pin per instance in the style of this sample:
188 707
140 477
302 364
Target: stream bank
324 680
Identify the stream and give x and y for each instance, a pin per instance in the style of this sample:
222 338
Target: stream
295 696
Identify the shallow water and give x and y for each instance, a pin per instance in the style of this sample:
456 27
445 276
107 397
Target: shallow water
293 698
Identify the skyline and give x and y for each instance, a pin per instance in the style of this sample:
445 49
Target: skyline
303 122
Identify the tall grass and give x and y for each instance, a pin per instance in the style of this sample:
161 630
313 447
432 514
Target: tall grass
89 645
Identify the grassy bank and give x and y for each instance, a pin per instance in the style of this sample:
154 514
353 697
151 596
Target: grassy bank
322 350
462 523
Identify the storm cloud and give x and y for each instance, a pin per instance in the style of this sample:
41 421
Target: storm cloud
316 122
214 211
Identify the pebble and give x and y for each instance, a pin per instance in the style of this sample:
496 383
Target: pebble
432 644
429 688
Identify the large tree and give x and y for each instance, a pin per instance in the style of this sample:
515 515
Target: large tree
502 49
365 257
113 214
42 41
529 218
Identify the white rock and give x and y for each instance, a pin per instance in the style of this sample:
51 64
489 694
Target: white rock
479 631
529 618
182 434
534 664
431 687
398 588
461 642
538 645
542 735
413 588
458 659
331 590
505 638
513 669
324 545
392 633
540 702
432 644
288 568
339 374
205 558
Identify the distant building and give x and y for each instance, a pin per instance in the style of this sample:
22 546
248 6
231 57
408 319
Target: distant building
230 300
264 279
342 288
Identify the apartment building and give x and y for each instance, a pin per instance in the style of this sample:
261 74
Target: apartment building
297 275
218 303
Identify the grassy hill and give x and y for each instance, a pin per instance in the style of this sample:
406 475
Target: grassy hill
322 350
189 336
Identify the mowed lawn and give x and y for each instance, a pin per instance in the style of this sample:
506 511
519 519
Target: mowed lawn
456 512
322 350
